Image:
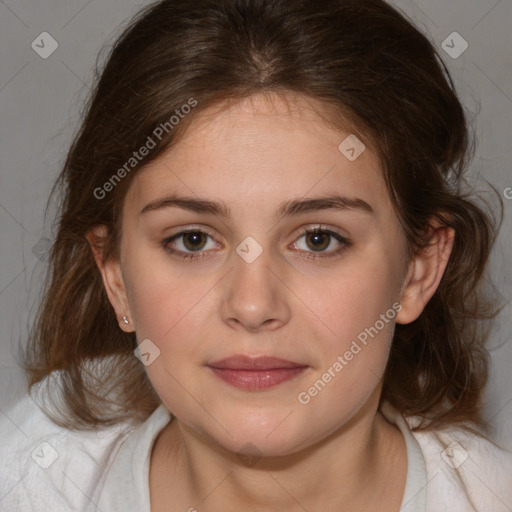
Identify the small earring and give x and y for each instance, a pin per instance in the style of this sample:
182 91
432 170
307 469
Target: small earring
125 320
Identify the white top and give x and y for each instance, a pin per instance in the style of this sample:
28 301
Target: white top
45 468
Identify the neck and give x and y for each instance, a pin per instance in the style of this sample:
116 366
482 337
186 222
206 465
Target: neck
358 467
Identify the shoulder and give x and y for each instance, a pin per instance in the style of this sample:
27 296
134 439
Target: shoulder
461 465
46 467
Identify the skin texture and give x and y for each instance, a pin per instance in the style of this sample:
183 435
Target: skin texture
337 450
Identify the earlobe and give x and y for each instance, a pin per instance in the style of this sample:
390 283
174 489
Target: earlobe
425 272
112 278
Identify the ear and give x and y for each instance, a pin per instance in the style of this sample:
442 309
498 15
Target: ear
425 272
112 277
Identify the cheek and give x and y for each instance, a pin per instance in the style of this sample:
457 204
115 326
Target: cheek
353 299
357 307
170 311
160 295
354 353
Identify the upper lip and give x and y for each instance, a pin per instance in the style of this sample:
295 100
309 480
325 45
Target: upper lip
242 362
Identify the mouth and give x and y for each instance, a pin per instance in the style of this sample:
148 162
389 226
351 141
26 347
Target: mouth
256 373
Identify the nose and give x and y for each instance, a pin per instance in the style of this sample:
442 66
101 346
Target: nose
256 297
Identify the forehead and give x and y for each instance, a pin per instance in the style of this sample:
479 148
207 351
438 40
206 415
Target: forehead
256 152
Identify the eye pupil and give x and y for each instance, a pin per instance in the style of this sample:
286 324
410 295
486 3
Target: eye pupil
194 237
318 237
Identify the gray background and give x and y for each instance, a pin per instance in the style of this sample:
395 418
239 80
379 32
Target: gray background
40 101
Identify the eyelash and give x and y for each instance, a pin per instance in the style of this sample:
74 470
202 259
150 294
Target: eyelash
346 243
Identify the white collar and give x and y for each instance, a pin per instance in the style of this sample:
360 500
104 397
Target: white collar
126 486
415 494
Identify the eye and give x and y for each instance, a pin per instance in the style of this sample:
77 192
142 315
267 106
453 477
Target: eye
319 239
187 243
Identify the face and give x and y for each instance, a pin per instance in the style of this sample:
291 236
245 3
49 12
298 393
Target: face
247 281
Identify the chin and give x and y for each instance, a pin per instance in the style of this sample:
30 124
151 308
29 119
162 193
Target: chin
260 437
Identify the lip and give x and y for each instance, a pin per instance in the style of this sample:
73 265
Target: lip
256 373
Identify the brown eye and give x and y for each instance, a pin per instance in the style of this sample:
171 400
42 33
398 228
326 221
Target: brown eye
318 241
191 244
194 240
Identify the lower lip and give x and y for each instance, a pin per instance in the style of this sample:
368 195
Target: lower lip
256 380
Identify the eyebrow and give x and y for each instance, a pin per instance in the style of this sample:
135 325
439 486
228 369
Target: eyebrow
286 209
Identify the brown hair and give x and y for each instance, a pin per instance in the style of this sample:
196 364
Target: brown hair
372 69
